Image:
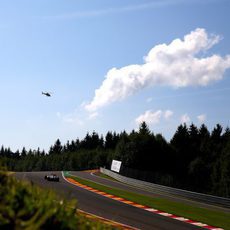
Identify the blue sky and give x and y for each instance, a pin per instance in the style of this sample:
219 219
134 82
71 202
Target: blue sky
110 65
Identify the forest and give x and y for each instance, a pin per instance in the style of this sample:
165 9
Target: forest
195 158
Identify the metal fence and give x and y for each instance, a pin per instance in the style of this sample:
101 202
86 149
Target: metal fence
155 188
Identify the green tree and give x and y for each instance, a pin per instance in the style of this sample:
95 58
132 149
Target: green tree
225 172
57 148
180 143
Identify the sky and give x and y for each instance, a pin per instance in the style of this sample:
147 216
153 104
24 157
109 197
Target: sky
110 65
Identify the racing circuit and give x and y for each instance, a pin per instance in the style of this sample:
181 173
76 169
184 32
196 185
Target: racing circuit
91 202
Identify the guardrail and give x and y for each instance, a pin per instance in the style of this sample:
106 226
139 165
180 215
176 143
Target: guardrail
208 199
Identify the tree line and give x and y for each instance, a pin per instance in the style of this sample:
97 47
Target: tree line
195 158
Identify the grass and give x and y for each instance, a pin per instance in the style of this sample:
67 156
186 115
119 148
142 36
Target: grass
210 217
105 176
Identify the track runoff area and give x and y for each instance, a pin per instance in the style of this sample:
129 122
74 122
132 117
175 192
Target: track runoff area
146 208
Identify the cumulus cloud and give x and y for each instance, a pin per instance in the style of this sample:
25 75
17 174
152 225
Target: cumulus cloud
185 118
201 118
71 118
168 114
93 116
176 64
149 117
153 118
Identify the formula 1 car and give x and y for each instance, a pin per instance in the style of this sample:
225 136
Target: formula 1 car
52 177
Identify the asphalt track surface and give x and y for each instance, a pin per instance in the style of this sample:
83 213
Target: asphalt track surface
103 206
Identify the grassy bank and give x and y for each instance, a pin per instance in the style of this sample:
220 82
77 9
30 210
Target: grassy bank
215 218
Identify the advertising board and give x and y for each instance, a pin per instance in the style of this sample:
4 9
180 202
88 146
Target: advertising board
115 166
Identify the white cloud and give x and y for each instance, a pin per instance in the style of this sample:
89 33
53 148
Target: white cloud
149 117
201 118
93 116
153 118
176 64
70 118
73 120
168 114
185 118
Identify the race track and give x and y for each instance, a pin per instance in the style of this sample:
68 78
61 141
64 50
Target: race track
103 206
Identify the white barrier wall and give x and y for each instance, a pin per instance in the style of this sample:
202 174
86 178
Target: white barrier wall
156 188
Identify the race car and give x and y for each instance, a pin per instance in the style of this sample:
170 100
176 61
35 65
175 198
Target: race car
52 177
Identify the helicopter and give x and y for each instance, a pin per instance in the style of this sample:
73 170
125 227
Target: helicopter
46 94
